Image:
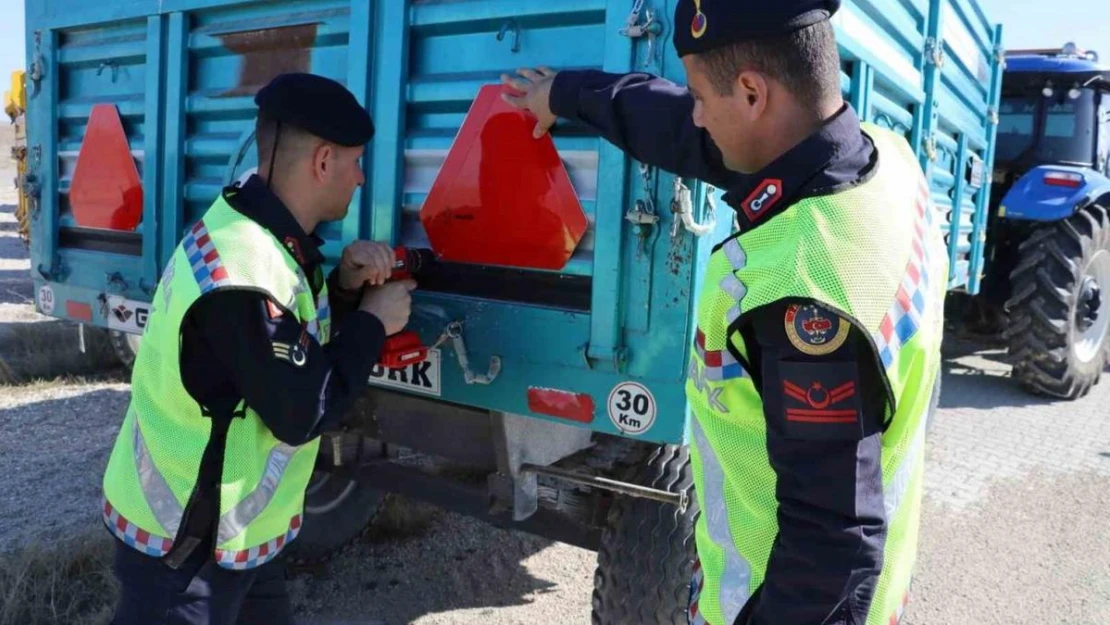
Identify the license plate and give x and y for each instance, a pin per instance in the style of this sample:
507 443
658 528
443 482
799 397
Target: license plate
127 315
420 377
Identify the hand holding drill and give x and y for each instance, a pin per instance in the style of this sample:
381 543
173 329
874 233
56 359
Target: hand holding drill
372 264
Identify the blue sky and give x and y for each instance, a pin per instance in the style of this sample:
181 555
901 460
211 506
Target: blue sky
1034 23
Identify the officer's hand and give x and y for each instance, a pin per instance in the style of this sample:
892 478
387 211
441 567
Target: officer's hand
365 262
391 303
536 93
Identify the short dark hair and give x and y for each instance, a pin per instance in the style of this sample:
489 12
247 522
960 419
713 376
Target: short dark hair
806 61
293 138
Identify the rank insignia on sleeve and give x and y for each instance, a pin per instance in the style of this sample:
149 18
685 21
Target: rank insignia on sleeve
820 400
295 354
815 330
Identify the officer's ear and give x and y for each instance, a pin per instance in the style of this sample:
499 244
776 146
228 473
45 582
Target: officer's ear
751 88
321 158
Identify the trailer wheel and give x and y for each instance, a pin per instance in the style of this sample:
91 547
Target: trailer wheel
126 346
337 511
645 560
1060 309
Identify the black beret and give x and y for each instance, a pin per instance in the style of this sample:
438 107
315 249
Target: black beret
702 25
318 105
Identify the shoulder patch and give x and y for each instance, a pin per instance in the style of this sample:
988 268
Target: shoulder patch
762 198
814 329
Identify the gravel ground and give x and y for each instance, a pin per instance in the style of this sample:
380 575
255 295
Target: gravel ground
1014 525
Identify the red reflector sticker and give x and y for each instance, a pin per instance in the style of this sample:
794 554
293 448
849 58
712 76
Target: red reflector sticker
502 196
563 404
106 191
78 310
1062 179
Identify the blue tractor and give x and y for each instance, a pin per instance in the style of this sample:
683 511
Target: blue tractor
1048 235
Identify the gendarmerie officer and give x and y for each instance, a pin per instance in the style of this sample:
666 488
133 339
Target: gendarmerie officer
248 355
819 326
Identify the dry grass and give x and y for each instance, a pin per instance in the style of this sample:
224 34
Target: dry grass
49 351
67 583
400 517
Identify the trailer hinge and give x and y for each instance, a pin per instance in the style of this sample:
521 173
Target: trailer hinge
992 115
148 287
116 282
650 28
37 71
1000 56
57 272
619 354
28 185
934 52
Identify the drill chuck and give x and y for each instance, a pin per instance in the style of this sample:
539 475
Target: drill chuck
411 260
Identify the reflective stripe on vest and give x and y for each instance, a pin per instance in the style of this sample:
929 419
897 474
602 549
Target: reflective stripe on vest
234 521
204 259
737 572
167 511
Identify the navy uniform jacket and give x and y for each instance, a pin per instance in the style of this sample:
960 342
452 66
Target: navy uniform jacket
227 350
827 557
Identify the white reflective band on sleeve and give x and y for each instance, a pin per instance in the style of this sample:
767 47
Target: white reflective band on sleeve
234 521
167 510
736 576
735 254
733 286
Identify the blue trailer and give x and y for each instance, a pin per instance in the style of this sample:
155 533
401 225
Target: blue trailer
560 391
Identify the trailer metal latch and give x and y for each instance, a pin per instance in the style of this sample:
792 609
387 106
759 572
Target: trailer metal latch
453 331
651 28
682 207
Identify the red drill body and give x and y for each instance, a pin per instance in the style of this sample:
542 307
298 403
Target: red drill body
404 348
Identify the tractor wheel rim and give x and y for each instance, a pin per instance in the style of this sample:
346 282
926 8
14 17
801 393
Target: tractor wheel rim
1089 342
313 504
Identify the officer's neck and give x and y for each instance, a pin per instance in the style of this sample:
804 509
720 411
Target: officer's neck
297 202
791 125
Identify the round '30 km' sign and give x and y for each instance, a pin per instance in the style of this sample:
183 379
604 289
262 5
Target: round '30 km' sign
632 408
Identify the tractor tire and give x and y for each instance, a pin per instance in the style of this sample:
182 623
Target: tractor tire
1060 308
645 561
337 512
126 347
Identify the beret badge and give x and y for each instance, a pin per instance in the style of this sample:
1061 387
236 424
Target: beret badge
699 24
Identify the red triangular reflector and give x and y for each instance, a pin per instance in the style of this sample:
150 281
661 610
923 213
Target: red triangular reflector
106 191
503 197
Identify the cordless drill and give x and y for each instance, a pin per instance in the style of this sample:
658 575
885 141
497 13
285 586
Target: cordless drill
404 348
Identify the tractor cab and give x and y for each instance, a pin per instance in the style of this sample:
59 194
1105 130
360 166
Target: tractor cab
1055 110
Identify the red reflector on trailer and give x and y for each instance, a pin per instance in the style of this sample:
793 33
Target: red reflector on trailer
1063 179
564 404
78 310
106 191
503 197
